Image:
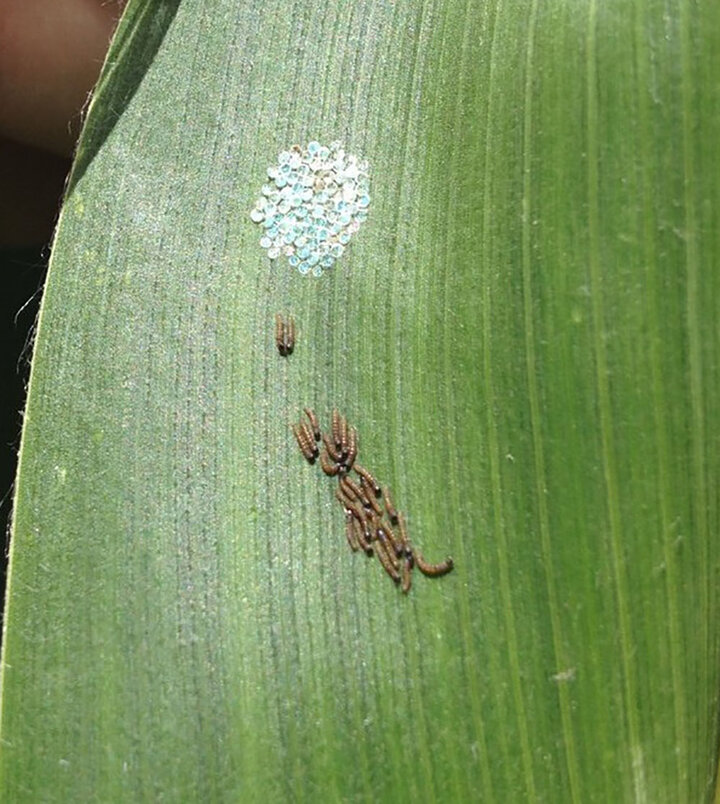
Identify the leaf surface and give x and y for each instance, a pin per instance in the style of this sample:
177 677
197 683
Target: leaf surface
525 335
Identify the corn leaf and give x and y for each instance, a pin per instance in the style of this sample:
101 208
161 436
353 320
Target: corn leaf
525 334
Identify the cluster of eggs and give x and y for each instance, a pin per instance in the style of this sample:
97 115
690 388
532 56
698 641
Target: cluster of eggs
315 200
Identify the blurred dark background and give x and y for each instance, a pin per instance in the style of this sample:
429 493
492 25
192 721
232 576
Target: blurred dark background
32 181
50 58
23 271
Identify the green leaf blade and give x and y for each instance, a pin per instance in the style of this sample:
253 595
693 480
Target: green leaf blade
524 333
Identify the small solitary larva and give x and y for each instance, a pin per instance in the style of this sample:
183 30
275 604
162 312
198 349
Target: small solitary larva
404 541
432 570
386 560
314 423
330 469
347 495
336 430
393 540
382 534
284 335
279 333
369 479
290 336
308 438
407 574
352 449
370 498
344 437
363 536
390 506
352 489
305 442
350 532
331 451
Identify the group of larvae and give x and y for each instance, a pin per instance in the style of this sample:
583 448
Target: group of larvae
372 523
